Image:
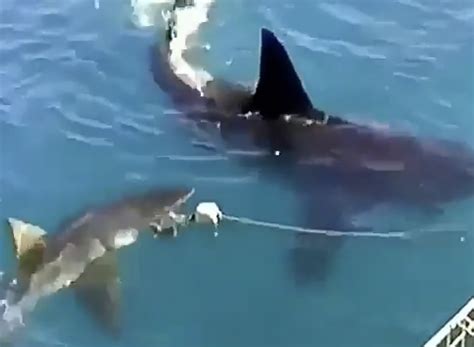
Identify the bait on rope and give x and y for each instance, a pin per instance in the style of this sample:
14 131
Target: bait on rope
210 213
248 221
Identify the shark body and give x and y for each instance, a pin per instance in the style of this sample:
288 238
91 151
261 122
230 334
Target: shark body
82 253
338 168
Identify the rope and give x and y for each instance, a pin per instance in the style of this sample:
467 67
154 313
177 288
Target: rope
209 212
248 221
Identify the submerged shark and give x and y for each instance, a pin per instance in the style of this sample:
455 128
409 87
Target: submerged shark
82 254
338 168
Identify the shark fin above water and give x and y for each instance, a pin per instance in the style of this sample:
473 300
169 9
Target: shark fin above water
98 290
279 89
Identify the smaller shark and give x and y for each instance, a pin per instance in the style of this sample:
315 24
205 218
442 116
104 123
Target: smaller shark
83 253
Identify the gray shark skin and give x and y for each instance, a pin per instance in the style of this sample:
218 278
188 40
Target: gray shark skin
103 223
337 167
82 254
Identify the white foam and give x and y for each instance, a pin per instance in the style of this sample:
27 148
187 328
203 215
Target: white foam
188 20
11 315
146 12
125 237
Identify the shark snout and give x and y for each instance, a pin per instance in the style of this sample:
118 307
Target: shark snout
172 198
153 205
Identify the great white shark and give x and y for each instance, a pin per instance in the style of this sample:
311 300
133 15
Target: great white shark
82 255
337 167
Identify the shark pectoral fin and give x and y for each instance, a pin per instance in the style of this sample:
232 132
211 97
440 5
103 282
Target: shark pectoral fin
279 90
313 254
98 289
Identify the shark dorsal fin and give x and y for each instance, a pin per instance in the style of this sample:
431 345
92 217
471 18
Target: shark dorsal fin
279 90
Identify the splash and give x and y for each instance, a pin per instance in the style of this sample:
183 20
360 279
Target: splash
125 237
147 13
185 22
10 316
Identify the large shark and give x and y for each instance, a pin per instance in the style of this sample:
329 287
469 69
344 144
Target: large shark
82 254
337 167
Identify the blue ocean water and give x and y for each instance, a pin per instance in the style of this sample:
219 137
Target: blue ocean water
81 121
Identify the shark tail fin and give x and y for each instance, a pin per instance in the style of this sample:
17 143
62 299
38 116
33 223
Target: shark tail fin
279 90
29 243
26 236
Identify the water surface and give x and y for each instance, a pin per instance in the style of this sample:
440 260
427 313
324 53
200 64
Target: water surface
81 121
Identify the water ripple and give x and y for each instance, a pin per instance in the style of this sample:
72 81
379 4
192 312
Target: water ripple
140 128
78 104
92 141
135 176
192 158
463 15
410 76
416 5
347 13
311 43
331 46
88 122
227 179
